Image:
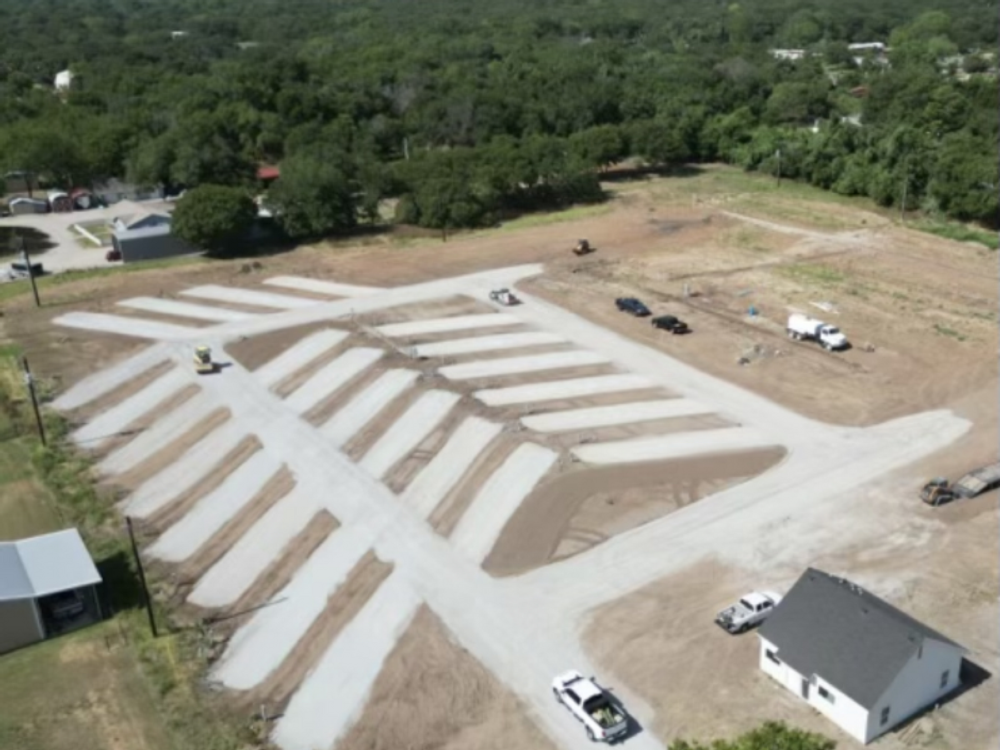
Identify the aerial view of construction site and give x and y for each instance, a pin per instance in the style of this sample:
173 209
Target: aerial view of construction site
727 460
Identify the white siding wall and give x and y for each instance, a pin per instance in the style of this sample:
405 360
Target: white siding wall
917 685
844 712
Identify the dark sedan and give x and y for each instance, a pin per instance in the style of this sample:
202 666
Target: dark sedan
633 306
670 323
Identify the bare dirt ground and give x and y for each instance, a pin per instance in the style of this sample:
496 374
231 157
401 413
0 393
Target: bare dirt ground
706 248
433 695
572 512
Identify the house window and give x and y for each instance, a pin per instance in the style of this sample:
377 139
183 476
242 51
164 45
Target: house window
824 693
944 678
770 655
885 716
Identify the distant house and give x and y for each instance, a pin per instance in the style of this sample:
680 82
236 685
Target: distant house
59 201
877 47
788 54
114 191
64 80
47 587
20 206
17 182
146 235
268 172
855 658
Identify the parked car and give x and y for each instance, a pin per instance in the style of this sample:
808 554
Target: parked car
670 323
504 297
632 305
749 611
604 719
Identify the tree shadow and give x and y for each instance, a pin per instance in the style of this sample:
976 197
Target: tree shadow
121 588
629 174
272 241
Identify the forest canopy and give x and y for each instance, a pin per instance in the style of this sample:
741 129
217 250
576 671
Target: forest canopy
466 109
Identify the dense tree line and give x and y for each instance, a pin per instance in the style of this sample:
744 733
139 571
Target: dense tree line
465 110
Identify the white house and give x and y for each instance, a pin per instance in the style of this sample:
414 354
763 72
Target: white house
853 657
64 79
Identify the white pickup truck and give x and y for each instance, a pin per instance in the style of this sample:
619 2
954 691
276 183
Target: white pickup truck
603 718
803 327
750 610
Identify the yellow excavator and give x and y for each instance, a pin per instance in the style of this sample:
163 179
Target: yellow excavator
203 363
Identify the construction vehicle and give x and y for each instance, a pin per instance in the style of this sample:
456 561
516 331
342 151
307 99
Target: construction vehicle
504 297
582 248
937 492
803 327
203 363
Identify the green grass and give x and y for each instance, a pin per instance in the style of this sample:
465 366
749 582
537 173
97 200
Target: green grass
949 332
960 233
812 273
544 219
14 289
76 692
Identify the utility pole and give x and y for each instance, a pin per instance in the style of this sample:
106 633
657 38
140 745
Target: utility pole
778 154
906 184
30 382
31 271
142 578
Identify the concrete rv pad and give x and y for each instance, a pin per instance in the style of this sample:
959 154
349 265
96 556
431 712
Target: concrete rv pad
605 416
523 629
248 297
513 365
184 309
322 287
486 343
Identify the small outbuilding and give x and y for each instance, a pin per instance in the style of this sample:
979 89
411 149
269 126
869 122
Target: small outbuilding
20 206
60 202
148 241
47 587
855 658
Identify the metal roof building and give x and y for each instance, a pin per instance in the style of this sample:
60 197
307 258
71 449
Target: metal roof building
47 586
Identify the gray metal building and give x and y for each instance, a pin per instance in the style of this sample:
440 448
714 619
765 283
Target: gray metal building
149 243
47 587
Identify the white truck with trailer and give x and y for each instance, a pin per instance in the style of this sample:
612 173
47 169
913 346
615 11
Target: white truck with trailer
803 327
750 610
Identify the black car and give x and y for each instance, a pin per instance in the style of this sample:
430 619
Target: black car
670 323
632 305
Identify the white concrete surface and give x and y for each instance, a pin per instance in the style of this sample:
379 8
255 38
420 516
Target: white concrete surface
298 355
265 543
333 288
562 389
513 365
212 512
184 473
675 445
606 416
259 646
163 431
184 309
499 497
416 423
241 296
364 407
104 381
137 327
443 325
332 376
114 421
332 698
486 343
449 465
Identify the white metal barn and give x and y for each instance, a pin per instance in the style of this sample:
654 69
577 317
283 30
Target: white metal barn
853 657
47 587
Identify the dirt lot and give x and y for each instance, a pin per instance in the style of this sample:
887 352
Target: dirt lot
433 695
919 309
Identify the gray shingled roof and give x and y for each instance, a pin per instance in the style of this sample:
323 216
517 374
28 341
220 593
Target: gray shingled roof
853 640
46 564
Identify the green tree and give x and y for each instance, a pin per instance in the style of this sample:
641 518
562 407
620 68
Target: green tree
770 736
212 216
315 193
